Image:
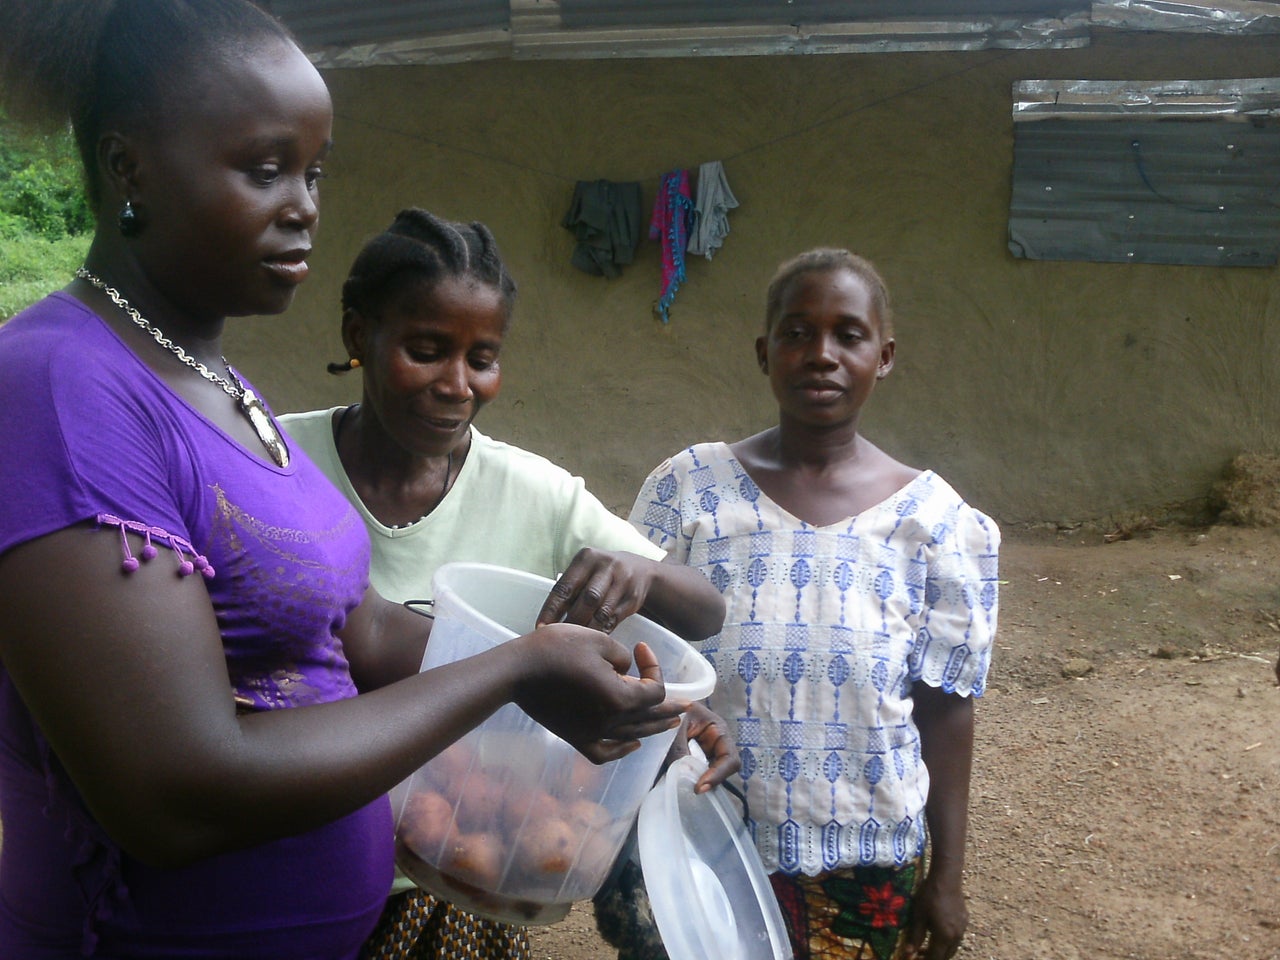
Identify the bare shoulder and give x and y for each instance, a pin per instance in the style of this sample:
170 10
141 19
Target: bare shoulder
757 451
886 473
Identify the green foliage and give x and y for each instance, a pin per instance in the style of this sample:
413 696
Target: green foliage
39 194
40 185
45 223
31 267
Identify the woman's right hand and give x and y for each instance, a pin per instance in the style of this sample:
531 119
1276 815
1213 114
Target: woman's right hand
573 681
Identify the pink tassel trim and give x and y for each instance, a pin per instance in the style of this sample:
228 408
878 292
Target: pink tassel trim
178 545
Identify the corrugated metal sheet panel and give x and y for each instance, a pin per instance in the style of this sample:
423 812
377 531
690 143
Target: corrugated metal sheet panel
540 30
1147 191
1224 16
350 33
1242 100
456 47
783 39
613 13
323 23
368 32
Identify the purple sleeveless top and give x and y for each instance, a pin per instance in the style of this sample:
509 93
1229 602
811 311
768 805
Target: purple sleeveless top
91 435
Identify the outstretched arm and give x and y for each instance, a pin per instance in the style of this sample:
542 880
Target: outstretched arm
125 675
939 915
602 588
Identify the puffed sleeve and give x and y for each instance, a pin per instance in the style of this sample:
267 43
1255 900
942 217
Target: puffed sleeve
953 643
657 511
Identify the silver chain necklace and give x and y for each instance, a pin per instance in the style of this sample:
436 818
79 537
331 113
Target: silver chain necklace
247 400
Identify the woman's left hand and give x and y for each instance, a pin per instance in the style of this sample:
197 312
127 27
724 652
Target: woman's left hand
939 917
710 732
600 589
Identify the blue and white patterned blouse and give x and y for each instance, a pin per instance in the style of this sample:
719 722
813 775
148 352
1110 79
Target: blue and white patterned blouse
827 628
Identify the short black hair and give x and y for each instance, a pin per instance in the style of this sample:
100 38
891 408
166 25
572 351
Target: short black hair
827 260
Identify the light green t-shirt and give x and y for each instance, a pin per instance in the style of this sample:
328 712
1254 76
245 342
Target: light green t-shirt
507 506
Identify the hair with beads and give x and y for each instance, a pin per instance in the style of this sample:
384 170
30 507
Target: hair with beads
421 247
828 260
98 64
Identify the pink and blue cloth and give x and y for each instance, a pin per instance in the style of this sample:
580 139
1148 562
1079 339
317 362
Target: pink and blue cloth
670 225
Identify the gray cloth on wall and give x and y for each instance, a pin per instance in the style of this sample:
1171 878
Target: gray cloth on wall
711 210
606 218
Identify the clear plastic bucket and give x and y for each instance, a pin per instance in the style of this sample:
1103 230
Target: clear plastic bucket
511 822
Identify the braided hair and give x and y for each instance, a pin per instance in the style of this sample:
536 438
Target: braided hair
421 247
115 63
827 260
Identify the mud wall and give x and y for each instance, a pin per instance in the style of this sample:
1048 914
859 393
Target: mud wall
1043 391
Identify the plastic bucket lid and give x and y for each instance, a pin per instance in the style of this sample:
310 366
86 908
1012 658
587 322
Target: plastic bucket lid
709 892
498 603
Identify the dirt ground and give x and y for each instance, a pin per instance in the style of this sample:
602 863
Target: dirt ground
1132 811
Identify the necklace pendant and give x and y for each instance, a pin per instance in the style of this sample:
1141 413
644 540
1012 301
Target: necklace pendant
266 430
250 405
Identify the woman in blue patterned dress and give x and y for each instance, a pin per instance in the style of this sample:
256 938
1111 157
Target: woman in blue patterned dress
861 597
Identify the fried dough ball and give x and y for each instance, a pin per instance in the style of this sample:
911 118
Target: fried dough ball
474 858
480 803
587 815
547 846
425 822
531 806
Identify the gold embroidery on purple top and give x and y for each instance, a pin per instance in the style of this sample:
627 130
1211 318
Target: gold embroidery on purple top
285 575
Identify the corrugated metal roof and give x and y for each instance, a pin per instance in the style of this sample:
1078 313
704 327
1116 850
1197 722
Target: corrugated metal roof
612 13
853 36
1223 16
1147 191
369 32
320 23
1245 99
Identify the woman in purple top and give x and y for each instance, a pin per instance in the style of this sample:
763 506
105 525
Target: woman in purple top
175 578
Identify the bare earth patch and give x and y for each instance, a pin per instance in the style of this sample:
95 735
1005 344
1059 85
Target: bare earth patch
1132 809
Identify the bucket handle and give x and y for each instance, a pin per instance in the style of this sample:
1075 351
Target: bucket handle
741 798
417 606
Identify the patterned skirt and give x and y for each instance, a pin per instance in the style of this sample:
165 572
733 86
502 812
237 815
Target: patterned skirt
859 913
416 926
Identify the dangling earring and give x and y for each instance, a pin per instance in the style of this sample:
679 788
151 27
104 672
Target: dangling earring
127 220
347 367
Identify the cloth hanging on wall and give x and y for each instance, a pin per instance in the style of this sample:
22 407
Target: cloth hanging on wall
606 219
672 217
711 211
